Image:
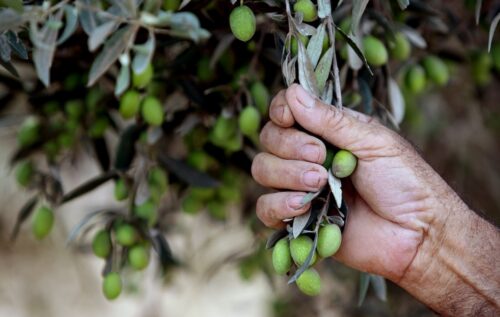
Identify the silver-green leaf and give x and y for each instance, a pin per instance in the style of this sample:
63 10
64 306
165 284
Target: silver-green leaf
113 48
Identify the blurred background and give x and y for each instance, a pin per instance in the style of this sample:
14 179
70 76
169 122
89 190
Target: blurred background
221 267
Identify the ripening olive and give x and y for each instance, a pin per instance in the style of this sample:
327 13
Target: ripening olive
300 248
375 51
126 235
415 79
436 70
112 285
129 104
307 8
281 258
260 96
171 5
138 257
309 282
249 121
101 244
121 191
343 164
147 211
142 79
24 173
43 221
401 47
152 111
242 23
329 239
29 131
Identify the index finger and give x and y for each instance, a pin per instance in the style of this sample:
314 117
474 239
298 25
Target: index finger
280 112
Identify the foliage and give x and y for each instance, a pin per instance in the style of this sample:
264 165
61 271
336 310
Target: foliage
153 73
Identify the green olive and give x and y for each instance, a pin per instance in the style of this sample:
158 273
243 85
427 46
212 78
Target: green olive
309 282
138 257
147 211
242 23
281 258
343 164
171 5
375 51
24 173
401 47
415 79
152 111
29 132
307 8
130 103
143 79
121 191
43 221
300 248
112 285
249 121
260 96
126 235
192 204
101 244
329 240
436 70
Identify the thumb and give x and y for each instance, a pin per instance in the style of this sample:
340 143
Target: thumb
344 128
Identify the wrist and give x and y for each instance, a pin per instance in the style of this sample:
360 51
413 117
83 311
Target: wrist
449 270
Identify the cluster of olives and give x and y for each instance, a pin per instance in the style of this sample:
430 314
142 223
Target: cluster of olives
136 248
431 68
132 101
289 252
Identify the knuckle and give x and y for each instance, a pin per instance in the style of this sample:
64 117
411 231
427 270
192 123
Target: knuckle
332 119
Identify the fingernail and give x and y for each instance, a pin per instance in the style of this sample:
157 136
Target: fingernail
305 98
278 112
312 179
295 202
311 152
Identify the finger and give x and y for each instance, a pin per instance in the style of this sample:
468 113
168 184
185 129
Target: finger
272 171
272 209
292 144
279 112
339 127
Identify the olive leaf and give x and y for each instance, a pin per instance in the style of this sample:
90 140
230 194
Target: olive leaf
309 197
275 237
491 32
479 4
100 33
379 286
44 41
186 173
396 101
85 220
123 80
324 8
306 71
354 48
88 17
143 54
323 69
16 44
315 45
358 7
71 18
89 186
307 262
113 48
22 215
403 4
335 187
299 223
9 19
364 282
366 95
125 151
414 37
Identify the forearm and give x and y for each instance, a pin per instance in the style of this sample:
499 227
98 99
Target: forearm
455 271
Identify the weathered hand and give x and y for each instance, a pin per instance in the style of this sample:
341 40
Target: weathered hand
394 198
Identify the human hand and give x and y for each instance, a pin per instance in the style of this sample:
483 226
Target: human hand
394 197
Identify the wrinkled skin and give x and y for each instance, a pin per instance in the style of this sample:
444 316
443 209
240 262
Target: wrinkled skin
391 201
